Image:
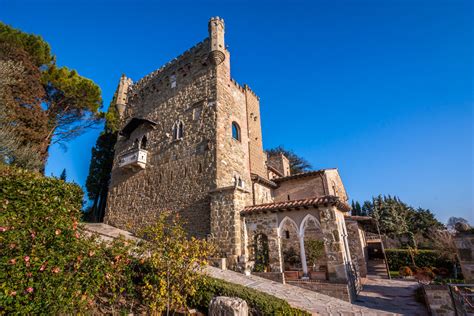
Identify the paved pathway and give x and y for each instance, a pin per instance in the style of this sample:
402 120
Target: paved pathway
392 296
379 297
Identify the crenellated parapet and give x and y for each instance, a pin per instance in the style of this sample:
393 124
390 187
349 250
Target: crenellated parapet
247 88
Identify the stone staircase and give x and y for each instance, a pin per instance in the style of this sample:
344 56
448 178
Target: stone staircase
376 269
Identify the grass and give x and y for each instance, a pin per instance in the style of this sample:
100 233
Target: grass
394 274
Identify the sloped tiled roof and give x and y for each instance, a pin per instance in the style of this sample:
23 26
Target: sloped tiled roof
295 204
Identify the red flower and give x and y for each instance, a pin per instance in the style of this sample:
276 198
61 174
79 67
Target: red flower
43 266
3 229
33 235
13 293
77 235
27 258
12 261
55 270
29 290
57 232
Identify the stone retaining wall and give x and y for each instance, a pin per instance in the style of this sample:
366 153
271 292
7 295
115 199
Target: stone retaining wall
337 290
438 300
273 276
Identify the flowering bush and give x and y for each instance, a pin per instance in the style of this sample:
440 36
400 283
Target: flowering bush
405 271
47 264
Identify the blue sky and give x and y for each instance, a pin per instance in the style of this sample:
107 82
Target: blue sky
382 90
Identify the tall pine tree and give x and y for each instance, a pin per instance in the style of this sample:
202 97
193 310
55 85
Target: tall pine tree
100 168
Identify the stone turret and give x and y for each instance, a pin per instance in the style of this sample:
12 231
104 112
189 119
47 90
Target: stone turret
216 36
121 94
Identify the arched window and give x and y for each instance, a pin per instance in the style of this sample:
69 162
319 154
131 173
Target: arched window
235 131
178 130
143 142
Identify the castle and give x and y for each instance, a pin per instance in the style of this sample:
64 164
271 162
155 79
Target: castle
191 142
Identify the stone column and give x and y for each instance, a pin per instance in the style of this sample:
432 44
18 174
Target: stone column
303 254
280 256
333 244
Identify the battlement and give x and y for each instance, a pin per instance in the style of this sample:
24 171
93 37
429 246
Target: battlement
216 18
143 82
246 87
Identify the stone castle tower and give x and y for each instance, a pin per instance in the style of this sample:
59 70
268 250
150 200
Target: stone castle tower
190 142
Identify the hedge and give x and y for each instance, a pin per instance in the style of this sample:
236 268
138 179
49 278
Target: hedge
398 258
259 303
47 264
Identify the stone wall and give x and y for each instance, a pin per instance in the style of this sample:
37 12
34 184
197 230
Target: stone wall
226 204
273 276
257 155
179 173
357 246
334 184
438 300
264 224
333 289
300 188
281 163
262 194
465 250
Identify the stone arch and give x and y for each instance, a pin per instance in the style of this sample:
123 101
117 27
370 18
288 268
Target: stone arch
306 220
282 225
289 234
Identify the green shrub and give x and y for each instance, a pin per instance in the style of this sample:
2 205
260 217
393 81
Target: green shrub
397 258
47 264
259 303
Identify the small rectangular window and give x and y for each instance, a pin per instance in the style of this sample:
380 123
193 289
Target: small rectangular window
173 81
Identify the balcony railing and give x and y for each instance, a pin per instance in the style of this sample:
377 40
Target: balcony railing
135 158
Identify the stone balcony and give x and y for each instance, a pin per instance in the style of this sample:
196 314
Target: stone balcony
134 159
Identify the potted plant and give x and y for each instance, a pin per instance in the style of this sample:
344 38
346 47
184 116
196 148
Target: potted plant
314 252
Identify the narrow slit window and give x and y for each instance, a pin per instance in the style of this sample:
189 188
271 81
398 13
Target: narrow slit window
178 130
173 81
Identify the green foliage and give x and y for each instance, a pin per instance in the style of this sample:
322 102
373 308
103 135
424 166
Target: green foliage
261 252
59 102
314 250
47 264
174 263
398 220
398 258
63 175
297 164
259 303
34 45
100 168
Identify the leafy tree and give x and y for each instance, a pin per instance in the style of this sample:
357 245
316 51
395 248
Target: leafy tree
452 221
314 251
398 220
63 175
297 164
174 262
22 122
48 104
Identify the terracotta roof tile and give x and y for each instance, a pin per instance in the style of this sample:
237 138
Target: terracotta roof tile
280 206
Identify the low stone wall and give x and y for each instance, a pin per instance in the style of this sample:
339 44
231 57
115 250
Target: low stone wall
333 289
438 300
273 276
